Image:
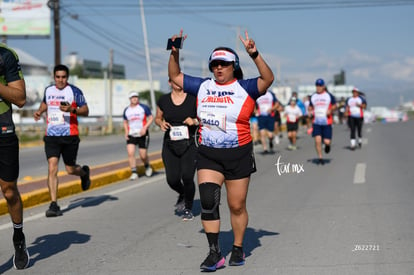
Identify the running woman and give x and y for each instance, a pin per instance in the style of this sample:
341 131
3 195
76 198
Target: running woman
137 120
177 117
321 106
12 91
225 154
355 106
63 103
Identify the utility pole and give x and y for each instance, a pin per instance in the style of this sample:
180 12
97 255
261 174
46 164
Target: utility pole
110 67
54 5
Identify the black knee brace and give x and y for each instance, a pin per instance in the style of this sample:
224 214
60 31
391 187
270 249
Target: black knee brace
210 200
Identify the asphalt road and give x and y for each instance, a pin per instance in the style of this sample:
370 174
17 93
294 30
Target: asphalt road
354 215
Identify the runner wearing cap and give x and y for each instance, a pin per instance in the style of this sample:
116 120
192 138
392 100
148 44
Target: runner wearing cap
225 152
321 106
355 106
292 114
137 120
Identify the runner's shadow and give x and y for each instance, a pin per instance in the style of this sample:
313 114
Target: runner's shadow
49 245
316 161
88 202
7 265
154 173
350 149
196 208
251 240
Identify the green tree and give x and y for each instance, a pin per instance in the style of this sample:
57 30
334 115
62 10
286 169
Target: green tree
77 70
145 95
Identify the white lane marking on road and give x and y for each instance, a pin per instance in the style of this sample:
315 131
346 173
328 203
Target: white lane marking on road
73 205
359 175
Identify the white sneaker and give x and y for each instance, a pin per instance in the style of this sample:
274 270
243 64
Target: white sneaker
276 140
133 176
148 171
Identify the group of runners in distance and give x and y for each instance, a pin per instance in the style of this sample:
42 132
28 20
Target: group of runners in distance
210 127
315 113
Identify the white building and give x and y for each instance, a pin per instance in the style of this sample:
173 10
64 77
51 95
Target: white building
31 65
338 91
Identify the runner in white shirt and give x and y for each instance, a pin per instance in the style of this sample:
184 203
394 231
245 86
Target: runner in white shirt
137 120
321 107
355 106
293 114
225 154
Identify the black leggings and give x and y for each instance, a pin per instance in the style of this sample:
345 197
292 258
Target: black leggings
179 163
355 123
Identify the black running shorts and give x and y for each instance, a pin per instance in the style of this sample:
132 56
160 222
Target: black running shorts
291 127
67 146
9 158
233 163
142 142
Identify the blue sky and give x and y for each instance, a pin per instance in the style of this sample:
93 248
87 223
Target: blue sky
300 40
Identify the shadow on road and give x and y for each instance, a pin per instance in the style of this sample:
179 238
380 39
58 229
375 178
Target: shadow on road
316 161
251 240
49 245
89 202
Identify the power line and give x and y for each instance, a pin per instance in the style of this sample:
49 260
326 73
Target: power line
240 6
128 50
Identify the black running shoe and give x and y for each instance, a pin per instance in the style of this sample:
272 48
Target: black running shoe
321 161
54 210
237 256
327 148
21 256
188 215
213 261
86 180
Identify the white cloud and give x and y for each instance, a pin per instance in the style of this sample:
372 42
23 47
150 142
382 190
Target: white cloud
363 73
400 70
355 57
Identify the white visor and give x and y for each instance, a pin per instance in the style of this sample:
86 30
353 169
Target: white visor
223 55
132 94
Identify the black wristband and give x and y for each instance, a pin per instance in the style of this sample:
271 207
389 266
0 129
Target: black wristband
254 55
74 111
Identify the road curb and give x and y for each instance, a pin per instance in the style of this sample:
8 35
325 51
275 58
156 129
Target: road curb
40 196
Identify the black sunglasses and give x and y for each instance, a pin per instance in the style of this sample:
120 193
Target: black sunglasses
216 63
